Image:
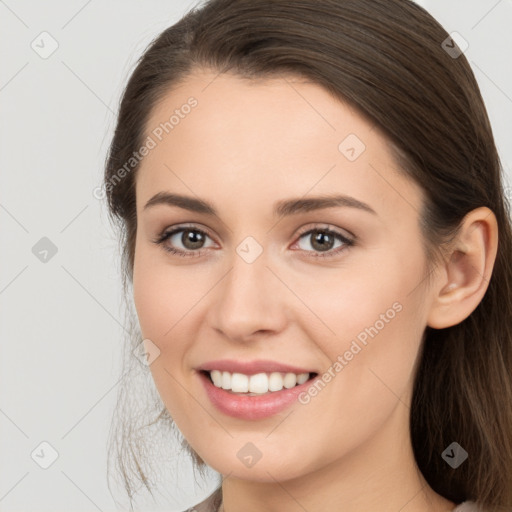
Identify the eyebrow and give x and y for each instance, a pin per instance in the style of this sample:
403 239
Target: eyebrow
281 208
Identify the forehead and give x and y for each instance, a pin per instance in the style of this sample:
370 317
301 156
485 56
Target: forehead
228 103
263 140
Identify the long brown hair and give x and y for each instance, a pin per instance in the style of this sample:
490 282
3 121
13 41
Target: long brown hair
389 60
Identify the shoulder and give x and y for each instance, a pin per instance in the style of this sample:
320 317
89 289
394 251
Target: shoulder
210 504
467 506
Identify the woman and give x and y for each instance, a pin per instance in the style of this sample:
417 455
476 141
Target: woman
314 225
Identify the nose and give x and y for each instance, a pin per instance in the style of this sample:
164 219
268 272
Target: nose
249 301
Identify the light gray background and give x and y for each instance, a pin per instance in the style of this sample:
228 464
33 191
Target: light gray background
61 320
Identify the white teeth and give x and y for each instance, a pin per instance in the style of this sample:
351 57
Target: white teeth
302 377
290 380
258 383
239 383
275 382
226 380
216 377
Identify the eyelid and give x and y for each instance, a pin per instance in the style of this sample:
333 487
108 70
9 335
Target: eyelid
164 235
327 227
167 233
347 242
302 231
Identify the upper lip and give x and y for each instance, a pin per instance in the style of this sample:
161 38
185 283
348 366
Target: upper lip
251 367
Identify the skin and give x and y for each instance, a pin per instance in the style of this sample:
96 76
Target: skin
247 145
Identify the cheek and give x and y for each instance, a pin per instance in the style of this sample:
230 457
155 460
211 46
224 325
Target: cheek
163 295
162 300
377 324
365 295
376 318
151 298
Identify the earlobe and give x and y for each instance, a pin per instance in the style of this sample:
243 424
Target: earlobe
467 270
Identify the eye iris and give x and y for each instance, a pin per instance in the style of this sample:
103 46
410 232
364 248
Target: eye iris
320 239
192 237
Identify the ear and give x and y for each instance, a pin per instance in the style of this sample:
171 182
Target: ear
466 273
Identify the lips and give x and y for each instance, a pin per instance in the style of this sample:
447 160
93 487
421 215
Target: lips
252 367
252 406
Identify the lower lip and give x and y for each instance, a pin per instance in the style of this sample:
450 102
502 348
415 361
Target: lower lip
252 407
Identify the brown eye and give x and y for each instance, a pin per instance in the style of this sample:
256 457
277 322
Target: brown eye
183 241
322 240
192 239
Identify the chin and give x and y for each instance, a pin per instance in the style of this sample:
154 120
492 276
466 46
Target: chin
266 464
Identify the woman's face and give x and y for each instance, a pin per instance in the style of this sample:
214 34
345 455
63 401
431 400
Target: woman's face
261 282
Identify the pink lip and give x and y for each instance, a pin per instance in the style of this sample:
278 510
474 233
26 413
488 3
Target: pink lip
252 407
251 367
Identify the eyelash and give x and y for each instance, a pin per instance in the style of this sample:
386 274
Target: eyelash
164 236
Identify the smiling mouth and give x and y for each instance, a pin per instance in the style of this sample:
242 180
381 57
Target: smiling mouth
256 384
